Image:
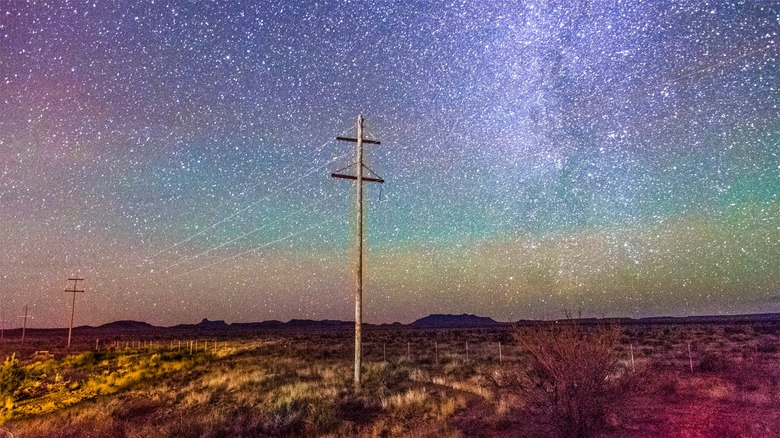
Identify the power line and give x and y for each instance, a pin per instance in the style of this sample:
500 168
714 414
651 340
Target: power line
265 198
249 233
248 189
248 251
244 191
301 159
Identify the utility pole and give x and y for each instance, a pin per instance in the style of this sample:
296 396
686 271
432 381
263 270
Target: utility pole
24 326
74 291
359 267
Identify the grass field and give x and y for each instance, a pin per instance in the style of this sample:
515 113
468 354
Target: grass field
555 380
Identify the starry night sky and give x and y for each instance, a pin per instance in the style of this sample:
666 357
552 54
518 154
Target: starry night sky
621 158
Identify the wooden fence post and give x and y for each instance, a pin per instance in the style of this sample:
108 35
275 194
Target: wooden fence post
690 359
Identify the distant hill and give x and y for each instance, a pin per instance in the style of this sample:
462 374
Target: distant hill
294 324
326 323
696 319
452 321
127 325
710 319
429 322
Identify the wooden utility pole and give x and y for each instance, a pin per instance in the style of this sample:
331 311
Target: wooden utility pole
359 263
74 291
24 325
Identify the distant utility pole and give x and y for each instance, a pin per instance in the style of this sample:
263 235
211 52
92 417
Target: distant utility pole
74 291
359 166
24 326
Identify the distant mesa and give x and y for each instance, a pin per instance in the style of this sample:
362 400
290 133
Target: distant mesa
127 325
452 321
271 324
206 324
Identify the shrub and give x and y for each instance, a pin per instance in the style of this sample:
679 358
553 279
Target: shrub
573 373
410 404
11 377
713 362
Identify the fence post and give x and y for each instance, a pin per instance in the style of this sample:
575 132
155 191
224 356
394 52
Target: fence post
690 359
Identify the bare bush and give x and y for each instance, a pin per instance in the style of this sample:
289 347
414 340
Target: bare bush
572 374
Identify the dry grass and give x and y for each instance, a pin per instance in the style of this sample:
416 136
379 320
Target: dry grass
299 384
251 392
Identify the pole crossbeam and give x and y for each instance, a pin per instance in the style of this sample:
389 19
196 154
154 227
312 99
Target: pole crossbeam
74 290
359 140
365 178
360 179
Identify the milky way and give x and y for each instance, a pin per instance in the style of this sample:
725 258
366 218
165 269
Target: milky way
618 158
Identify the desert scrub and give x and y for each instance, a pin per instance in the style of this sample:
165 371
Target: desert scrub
11 377
418 404
713 361
572 374
293 406
458 368
412 403
379 378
